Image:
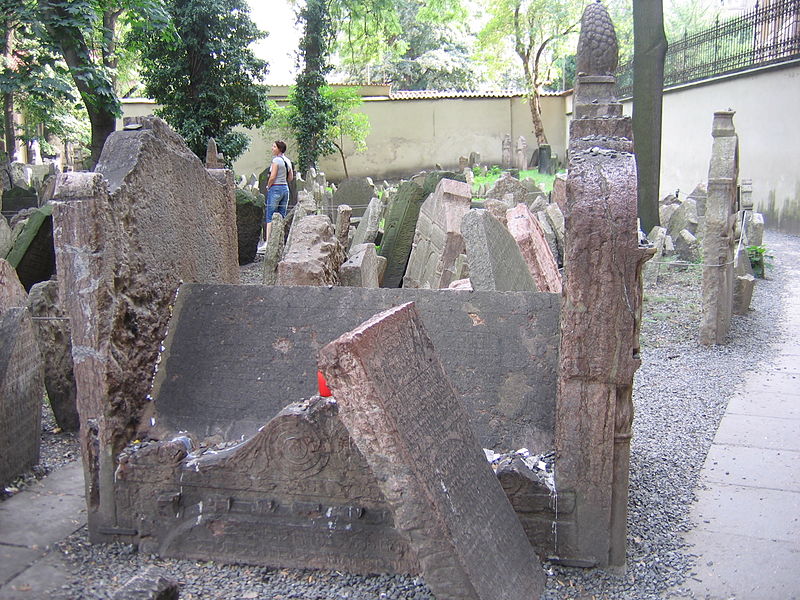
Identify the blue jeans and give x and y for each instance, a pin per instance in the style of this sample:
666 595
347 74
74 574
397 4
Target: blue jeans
277 201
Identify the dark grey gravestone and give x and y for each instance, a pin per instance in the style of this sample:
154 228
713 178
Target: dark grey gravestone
296 494
33 254
236 355
21 389
398 231
406 419
495 260
17 199
355 191
544 158
249 217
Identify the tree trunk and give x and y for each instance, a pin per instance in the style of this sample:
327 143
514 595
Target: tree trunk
9 124
649 50
536 117
344 161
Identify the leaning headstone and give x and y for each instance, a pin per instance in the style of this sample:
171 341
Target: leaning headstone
550 235
21 389
526 231
667 206
19 198
128 234
314 256
699 195
12 294
495 261
150 584
213 156
559 194
274 251
474 159
718 252
437 240
556 219
33 255
687 247
6 237
403 415
754 228
55 343
433 178
684 217
399 227
361 268
367 229
354 191
342 225
249 218
743 293
507 184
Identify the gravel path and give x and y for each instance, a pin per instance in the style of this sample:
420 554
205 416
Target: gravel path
680 395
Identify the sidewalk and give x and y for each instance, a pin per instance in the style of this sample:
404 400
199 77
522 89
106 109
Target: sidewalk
30 523
748 510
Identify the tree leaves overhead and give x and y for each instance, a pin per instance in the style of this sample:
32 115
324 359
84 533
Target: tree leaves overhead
205 76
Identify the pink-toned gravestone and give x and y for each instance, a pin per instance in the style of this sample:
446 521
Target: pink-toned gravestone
530 238
405 418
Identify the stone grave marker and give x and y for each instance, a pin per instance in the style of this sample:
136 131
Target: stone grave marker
21 388
274 251
437 240
527 232
12 294
17 199
249 218
367 228
361 268
314 256
399 227
433 178
507 184
404 416
355 191
495 260
33 254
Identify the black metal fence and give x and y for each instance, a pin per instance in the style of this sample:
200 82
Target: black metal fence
768 34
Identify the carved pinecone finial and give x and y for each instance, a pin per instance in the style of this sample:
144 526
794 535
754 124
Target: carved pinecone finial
597 45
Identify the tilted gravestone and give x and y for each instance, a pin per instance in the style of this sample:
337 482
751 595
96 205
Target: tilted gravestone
528 233
149 217
400 223
53 335
433 178
12 294
21 389
6 237
274 251
495 260
17 199
361 268
404 416
367 229
33 255
437 240
314 256
355 191
508 185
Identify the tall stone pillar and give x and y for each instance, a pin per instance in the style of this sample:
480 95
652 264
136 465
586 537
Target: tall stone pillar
601 308
719 240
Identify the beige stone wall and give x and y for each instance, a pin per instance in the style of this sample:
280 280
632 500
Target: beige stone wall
769 138
407 136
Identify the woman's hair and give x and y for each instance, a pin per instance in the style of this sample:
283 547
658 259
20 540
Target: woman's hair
281 146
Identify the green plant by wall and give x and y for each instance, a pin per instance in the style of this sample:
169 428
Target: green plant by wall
760 258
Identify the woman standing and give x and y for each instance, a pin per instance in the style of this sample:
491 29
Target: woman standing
281 173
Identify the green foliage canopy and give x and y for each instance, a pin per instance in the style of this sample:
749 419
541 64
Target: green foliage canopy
206 77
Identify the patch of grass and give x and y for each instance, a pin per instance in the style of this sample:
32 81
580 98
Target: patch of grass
545 182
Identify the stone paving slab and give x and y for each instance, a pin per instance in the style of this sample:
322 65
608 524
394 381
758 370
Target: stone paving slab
759 432
14 560
39 581
738 465
749 511
775 404
726 571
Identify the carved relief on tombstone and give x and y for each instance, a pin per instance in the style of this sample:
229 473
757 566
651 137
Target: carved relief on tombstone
522 153
507 162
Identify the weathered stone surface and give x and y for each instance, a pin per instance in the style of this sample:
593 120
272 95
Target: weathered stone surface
687 247
6 237
700 195
433 178
405 418
21 389
508 185
150 584
149 217
499 208
528 234
743 293
217 374
754 228
438 241
12 293
213 155
342 226
19 198
355 192
361 268
274 251
556 220
399 227
53 335
298 493
33 255
249 217
367 229
718 244
684 217
549 234
652 268
495 260
314 256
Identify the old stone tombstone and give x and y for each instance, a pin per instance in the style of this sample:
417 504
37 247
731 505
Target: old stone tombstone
405 418
506 161
559 194
474 159
17 199
249 218
314 256
507 184
545 159
354 191
601 309
149 217
361 268
433 178
151 583
556 220
699 195
527 232
683 217
32 254
6 237
274 250
342 224
21 389
213 156
522 153
400 224
437 240
12 294
53 336
718 244
495 260
367 228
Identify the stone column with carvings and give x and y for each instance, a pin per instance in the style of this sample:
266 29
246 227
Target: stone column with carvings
601 308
